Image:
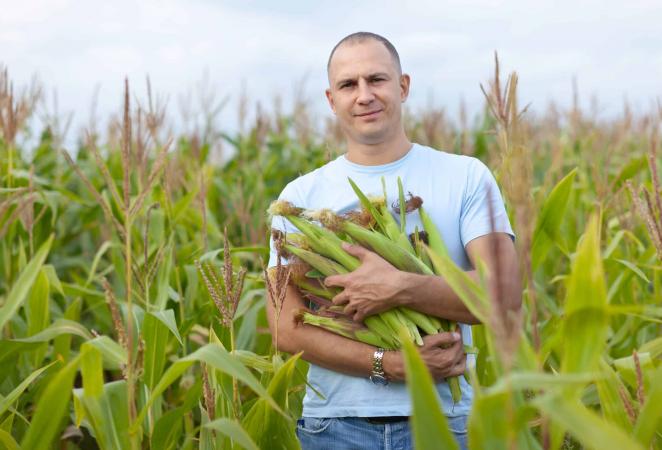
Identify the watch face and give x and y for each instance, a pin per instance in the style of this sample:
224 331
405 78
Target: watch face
378 379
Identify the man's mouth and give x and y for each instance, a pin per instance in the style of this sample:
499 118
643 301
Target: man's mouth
369 114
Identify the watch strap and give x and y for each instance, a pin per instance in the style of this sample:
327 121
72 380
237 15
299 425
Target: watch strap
377 375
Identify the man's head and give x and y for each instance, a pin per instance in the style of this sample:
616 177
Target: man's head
367 88
362 36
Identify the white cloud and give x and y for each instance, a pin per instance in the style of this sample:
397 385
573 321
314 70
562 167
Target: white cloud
614 49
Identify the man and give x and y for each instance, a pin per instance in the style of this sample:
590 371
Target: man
357 410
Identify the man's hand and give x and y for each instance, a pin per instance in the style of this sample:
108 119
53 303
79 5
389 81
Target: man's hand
372 288
442 353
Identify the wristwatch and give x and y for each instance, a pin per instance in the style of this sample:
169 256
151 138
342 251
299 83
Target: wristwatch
378 376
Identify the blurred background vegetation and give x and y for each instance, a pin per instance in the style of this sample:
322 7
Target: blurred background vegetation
100 294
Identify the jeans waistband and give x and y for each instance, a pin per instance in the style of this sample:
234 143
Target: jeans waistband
386 419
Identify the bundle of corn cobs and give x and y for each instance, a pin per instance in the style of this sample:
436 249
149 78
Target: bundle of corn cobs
319 250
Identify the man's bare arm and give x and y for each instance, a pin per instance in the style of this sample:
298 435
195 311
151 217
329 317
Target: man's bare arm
377 286
497 251
341 354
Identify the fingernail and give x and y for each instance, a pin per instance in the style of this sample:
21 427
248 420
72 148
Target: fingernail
456 336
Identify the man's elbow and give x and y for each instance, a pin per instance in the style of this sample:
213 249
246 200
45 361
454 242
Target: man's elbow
513 297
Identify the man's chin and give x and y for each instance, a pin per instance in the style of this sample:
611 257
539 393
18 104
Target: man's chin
371 137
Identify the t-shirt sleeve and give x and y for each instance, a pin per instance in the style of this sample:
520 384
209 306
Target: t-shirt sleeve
482 191
280 223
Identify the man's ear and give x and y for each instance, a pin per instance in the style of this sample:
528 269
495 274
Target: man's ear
329 97
405 81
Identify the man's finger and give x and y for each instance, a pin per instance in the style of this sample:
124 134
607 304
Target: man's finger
356 250
340 299
336 280
461 356
457 369
444 339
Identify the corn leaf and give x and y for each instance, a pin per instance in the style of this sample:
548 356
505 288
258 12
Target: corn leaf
106 412
429 425
387 249
169 425
52 408
96 260
37 304
435 241
488 425
629 170
266 427
470 292
654 347
103 405
167 318
58 328
7 401
23 284
403 209
649 421
585 321
8 441
156 335
367 205
114 355
585 425
627 369
550 218
216 356
540 381
234 431
612 407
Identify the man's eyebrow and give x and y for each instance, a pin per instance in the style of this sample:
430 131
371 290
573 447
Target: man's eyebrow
345 80
378 74
370 76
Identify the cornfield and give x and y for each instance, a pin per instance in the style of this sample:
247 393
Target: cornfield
132 286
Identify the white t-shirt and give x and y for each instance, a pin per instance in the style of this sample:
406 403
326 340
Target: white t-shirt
455 190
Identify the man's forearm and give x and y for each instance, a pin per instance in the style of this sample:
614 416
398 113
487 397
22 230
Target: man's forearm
324 348
432 295
442 353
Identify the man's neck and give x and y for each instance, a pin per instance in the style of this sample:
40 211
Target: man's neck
378 154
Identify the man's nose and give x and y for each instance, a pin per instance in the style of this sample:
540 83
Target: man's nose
365 94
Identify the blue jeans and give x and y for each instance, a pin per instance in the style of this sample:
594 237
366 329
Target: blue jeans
356 433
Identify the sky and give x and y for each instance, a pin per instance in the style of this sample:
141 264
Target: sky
613 49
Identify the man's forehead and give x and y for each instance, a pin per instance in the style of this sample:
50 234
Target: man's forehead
353 59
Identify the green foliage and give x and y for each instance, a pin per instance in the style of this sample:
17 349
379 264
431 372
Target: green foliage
429 426
566 376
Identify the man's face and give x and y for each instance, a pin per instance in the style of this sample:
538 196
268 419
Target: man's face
366 92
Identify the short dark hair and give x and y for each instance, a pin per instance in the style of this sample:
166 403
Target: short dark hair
362 36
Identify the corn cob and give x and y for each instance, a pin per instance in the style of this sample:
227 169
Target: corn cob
326 266
315 288
329 267
343 327
387 249
390 241
320 240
